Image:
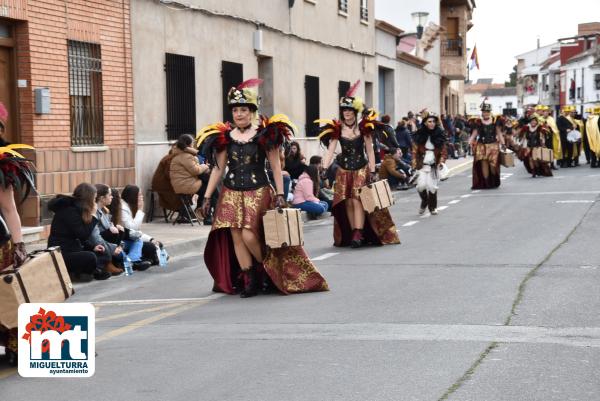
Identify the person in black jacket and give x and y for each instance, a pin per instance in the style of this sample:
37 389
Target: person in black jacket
71 229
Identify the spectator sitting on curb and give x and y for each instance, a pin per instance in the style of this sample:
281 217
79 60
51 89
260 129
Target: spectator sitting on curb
116 235
71 229
325 191
132 204
389 169
294 161
305 193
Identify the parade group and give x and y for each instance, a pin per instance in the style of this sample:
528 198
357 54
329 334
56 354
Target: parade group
244 178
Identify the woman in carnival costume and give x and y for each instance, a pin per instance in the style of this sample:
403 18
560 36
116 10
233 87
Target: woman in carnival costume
429 152
16 174
486 139
352 226
235 254
536 135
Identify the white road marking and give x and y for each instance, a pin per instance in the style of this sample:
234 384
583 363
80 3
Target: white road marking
325 256
466 196
476 191
453 202
504 176
575 201
160 300
442 208
495 194
410 223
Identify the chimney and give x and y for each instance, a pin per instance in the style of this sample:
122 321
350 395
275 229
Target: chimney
588 28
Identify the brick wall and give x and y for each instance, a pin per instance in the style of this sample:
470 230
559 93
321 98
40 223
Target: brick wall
41 35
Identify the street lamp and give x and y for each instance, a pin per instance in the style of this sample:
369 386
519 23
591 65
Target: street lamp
420 18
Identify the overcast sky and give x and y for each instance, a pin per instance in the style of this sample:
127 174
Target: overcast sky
504 29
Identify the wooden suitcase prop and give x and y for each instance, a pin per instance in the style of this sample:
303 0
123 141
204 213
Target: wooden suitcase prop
376 196
507 158
283 227
42 278
542 154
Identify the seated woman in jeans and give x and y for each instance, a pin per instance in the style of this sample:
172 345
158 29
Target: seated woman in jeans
305 194
115 235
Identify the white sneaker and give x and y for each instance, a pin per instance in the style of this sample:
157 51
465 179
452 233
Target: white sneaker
421 210
434 211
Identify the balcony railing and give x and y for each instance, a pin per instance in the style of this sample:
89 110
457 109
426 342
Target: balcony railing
452 47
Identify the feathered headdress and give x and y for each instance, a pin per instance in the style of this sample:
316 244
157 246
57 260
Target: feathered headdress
244 94
486 106
350 101
16 170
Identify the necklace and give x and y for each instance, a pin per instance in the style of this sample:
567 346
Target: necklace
350 125
244 129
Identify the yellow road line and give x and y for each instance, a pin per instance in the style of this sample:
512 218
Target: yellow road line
158 301
144 322
135 312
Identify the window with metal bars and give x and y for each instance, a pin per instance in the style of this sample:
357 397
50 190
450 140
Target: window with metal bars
181 95
343 6
85 93
364 10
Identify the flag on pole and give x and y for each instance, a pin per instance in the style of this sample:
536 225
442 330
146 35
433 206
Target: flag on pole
474 62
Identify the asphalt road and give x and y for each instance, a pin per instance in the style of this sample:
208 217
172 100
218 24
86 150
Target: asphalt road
496 298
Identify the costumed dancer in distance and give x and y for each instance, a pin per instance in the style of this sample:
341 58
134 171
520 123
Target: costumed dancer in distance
565 126
486 138
537 135
579 126
235 253
352 226
550 122
592 129
429 152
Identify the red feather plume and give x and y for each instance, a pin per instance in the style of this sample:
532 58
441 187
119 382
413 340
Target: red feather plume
353 89
249 83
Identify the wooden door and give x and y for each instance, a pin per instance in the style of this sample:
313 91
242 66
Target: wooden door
6 93
452 28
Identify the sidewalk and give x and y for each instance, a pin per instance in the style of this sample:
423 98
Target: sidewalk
179 239
182 239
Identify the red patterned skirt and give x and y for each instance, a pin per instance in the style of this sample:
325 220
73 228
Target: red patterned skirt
535 167
379 228
290 269
486 152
